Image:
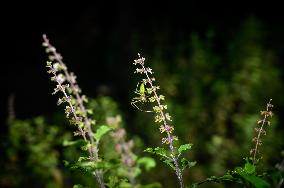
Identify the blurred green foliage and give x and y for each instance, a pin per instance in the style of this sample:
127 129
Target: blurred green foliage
31 155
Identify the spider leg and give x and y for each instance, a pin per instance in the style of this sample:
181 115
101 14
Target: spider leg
137 86
133 103
137 92
148 111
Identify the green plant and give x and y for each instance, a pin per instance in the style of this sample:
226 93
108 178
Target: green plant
76 112
266 114
247 175
32 147
148 92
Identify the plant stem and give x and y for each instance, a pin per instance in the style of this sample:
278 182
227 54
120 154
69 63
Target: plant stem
93 151
258 142
170 137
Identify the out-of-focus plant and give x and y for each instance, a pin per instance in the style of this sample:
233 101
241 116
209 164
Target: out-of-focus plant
31 147
278 174
261 130
130 164
248 175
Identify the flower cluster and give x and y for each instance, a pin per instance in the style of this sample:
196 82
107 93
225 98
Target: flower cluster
66 83
150 92
266 115
75 109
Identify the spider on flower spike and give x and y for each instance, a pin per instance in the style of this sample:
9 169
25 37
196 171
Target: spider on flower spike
141 96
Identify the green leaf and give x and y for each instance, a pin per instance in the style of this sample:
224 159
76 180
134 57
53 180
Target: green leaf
170 163
112 181
78 186
136 171
256 181
147 162
124 172
149 150
89 111
227 177
71 143
212 178
160 151
249 168
66 163
86 146
187 164
101 131
239 170
82 159
88 166
184 147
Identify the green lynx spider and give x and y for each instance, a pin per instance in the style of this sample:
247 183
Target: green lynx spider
141 98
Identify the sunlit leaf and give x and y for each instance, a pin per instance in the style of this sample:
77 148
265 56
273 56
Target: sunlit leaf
158 151
78 186
101 131
147 162
170 163
71 143
184 147
249 168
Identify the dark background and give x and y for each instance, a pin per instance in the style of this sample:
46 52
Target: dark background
94 39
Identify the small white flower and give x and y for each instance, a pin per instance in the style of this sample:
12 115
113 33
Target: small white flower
149 70
56 66
60 78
